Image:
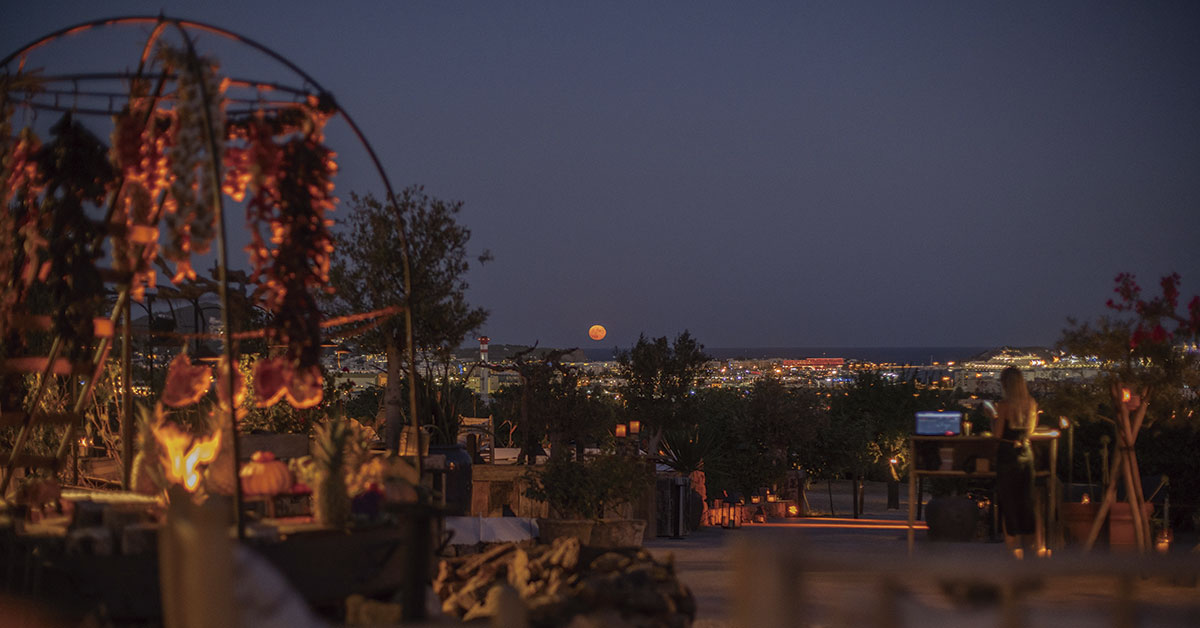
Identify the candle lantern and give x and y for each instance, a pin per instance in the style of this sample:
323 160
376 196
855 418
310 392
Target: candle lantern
621 430
635 427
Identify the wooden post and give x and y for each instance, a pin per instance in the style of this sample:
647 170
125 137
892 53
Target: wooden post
1110 495
912 492
195 557
127 419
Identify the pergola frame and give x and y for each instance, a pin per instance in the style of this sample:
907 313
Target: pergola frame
49 99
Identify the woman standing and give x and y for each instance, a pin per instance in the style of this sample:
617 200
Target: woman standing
1013 421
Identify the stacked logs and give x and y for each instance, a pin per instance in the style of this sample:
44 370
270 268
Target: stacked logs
562 583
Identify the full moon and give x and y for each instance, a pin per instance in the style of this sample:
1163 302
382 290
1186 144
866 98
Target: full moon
597 332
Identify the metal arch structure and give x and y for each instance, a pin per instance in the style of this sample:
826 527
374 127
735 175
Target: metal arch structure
312 88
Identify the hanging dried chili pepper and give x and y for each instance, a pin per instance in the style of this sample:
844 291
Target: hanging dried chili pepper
140 138
190 216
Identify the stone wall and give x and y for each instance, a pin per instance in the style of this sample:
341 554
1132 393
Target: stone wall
495 486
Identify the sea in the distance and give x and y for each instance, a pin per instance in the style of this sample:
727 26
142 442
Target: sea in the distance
895 355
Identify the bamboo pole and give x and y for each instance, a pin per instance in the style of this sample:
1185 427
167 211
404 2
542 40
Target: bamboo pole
1110 495
214 173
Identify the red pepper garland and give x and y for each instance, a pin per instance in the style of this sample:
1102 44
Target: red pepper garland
141 139
154 171
190 219
292 189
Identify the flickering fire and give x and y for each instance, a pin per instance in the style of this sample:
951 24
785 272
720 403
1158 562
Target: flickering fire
184 453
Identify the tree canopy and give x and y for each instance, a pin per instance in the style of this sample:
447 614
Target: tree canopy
659 377
368 275
1148 344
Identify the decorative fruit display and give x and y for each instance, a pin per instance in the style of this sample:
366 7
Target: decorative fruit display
265 475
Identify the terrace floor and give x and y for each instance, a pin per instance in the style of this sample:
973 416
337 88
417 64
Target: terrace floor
841 572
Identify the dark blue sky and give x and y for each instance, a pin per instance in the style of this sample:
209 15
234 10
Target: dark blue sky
784 174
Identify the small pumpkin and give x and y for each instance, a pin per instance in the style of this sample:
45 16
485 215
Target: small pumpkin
264 475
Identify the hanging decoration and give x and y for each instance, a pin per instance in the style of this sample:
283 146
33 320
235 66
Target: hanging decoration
291 189
141 137
69 201
190 217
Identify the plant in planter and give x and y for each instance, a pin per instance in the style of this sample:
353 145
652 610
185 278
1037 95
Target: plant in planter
583 492
1146 367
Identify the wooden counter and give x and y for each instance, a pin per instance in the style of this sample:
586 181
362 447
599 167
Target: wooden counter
962 459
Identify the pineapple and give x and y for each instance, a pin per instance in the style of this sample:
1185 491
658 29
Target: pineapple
332 501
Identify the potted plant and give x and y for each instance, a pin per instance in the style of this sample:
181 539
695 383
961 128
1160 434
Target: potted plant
1077 518
588 497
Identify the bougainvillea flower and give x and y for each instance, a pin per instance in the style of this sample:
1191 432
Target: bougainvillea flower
186 384
239 385
271 376
306 388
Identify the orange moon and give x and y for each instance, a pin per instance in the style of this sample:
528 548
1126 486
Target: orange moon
597 332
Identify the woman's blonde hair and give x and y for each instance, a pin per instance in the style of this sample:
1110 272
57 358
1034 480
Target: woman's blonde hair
1012 380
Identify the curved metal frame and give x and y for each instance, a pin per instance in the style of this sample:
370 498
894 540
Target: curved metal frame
182 25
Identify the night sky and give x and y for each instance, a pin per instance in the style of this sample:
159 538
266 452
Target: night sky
783 174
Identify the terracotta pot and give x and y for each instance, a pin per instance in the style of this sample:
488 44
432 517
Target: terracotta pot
550 529
1120 525
614 533
1078 518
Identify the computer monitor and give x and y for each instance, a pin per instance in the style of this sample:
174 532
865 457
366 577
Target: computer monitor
939 423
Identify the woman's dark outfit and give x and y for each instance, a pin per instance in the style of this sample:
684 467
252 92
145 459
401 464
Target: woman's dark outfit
1014 483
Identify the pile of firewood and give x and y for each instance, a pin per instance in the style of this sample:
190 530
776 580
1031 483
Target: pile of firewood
563 584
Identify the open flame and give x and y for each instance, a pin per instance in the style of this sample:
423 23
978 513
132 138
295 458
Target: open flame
184 453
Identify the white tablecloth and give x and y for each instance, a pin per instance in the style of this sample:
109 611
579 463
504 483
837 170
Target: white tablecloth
472 530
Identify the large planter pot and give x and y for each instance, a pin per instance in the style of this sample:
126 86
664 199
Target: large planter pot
1120 525
1077 518
616 533
453 464
951 519
551 529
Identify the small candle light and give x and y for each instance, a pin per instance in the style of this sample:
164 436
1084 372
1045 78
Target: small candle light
1162 543
635 427
621 430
